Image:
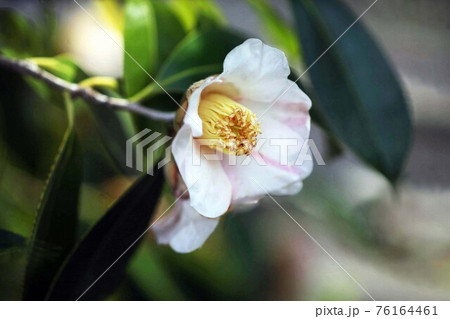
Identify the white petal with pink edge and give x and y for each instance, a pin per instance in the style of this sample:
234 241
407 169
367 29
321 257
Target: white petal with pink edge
184 229
208 185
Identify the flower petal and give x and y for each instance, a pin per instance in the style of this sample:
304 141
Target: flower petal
256 70
209 187
291 108
185 230
273 174
281 144
253 181
191 118
287 120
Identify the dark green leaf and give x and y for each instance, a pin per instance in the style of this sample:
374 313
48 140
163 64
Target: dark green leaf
14 216
169 29
164 102
107 241
141 43
358 94
113 137
16 34
12 265
3 153
19 127
115 128
9 240
54 232
25 118
333 147
199 55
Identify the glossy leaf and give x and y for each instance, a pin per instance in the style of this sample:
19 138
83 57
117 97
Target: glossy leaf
201 54
358 94
114 134
191 12
119 228
54 232
169 28
115 128
141 43
21 127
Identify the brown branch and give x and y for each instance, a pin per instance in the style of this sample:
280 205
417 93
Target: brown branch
86 93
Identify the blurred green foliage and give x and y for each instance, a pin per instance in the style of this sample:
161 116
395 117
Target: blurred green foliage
59 249
280 33
55 226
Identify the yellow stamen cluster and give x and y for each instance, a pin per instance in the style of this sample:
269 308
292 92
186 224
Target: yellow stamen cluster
231 127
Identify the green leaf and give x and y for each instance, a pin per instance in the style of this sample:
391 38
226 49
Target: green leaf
25 122
191 12
115 129
358 94
20 130
3 151
54 232
169 29
10 240
63 67
162 31
114 133
141 43
15 217
12 265
199 55
113 237
278 30
16 34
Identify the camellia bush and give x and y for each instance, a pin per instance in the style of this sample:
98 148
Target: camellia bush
78 222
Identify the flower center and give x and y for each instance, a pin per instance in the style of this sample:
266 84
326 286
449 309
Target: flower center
231 127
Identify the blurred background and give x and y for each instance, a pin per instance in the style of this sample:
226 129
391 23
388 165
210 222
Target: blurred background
394 241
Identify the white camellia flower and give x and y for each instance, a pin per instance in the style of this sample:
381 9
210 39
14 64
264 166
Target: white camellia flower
222 116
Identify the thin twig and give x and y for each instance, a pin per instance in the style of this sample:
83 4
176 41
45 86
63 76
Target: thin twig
86 93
